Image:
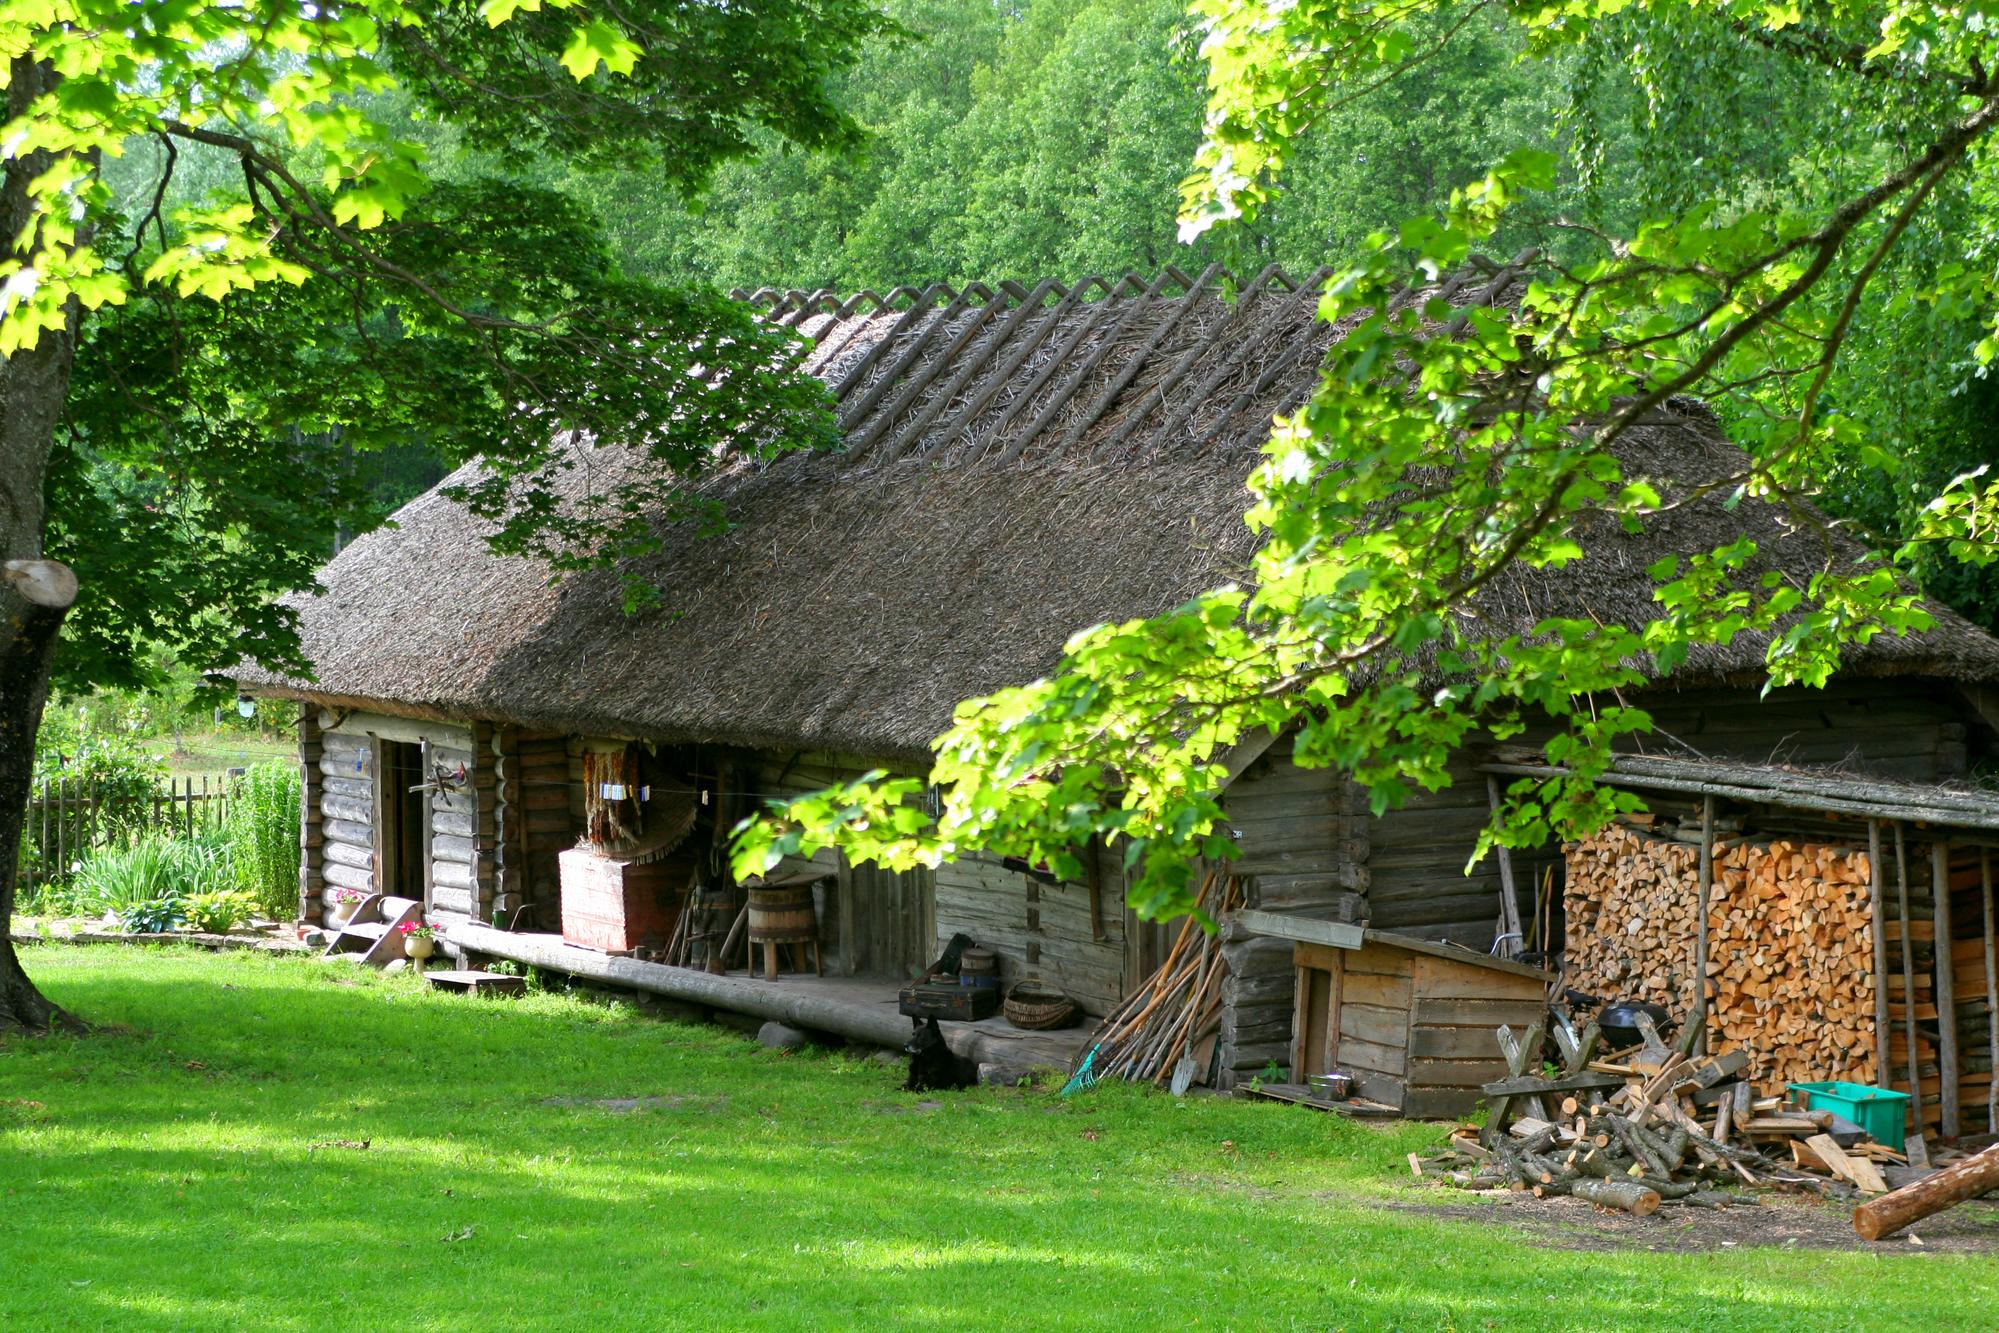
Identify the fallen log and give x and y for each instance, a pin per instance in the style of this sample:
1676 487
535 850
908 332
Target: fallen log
1624 1195
1975 1175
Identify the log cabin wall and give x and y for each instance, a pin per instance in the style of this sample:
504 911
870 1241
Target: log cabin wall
1039 927
1892 728
344 807
346 815
545 823
872 922
1304 836
311 831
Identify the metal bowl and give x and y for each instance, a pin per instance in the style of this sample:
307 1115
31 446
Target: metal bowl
1335 1085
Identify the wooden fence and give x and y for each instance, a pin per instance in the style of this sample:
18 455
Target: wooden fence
69 817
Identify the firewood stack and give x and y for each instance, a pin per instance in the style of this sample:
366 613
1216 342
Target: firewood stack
1648 1127
1790 945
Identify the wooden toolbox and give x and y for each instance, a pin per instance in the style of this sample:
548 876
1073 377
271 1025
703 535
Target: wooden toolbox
948 1000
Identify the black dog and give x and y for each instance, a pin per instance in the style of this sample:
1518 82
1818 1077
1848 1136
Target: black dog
933 1065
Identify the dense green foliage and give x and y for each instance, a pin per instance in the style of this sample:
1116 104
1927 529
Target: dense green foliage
1698 229
262 832
172 1170
281 274
1050 139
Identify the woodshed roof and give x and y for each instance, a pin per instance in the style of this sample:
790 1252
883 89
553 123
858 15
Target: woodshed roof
1020 463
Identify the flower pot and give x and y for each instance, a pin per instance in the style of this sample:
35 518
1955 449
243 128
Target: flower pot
418 950
339 914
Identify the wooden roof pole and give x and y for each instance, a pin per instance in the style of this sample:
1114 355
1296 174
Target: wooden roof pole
1884 1028
1700 923
1029 305
1908 977
1946 985
1991 990
1236 336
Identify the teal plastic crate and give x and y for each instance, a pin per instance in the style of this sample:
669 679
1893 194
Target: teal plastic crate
1882 1112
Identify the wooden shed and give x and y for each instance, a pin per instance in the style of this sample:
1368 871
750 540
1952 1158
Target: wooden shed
1414 1021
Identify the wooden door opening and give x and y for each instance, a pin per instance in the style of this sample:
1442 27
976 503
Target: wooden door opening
402 822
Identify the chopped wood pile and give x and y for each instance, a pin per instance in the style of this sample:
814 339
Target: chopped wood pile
1789 945
1167 1028
1651 1126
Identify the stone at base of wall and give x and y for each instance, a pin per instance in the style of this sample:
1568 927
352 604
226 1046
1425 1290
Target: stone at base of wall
783 1037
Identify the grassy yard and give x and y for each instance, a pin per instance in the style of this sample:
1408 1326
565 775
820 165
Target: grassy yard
198 1165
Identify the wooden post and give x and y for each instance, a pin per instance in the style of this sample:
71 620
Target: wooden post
1946 984
1883 1025
1991 990
1509 902
1699 1015
1908 978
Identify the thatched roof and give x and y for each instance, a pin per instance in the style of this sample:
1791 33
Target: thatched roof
1020 464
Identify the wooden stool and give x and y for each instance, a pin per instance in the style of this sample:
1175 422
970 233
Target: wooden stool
798 948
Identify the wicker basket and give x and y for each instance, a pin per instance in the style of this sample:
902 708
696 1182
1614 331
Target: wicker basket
1036 1007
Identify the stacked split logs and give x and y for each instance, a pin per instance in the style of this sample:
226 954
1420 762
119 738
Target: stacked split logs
1789 945
1648 1127
1167 1028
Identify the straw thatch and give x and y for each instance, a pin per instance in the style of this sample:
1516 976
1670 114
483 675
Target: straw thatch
1020 463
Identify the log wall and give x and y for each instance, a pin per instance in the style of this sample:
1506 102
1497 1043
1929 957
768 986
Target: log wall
1305 840
545 823
1893 728
311 837
453 829
1040 929
344 811
346 815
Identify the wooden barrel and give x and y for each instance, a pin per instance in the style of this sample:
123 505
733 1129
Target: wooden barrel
781 913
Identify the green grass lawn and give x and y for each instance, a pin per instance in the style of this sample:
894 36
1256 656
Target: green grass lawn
185 1169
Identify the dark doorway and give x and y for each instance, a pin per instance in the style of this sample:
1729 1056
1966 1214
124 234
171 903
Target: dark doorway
402 826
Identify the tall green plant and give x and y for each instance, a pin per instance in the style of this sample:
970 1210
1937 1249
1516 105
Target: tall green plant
262 833
151 869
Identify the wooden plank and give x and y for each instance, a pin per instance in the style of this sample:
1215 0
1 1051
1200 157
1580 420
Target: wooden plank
1331 934
408 730
1358 1054
1946 985
1511 939
1381 962
1991 952
1440 1103
1430 1010
1452 1043
1428 1073
1877 906
1463 957
1376 988
1366 1022
1908 972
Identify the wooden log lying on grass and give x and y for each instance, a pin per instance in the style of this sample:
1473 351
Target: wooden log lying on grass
1975 1175
1626 1196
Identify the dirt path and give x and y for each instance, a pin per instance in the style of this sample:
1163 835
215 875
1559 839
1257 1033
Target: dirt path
1782 1220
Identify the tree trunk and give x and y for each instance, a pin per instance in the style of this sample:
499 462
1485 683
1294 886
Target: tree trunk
35 594
1912 1203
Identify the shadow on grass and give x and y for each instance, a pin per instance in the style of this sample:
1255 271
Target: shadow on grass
189 1174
